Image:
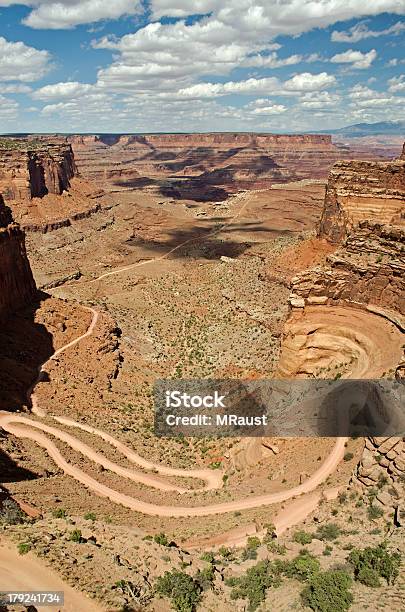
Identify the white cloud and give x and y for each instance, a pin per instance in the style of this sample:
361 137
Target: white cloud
357 59
273 109
309 82
273 61
397 83
267 85
59 91
15 88
18 62
319 100
360 31
8 108
275 17
66 14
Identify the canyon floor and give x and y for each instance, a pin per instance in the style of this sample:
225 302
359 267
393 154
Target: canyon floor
144 286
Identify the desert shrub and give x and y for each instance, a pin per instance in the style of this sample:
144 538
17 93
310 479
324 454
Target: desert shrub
302 537
301 567
90 516
374 512
59 513
162 539
329 532
348 456
328 591
254 584
76 536
11 513
205 577
208 556
183 591
24 548
370 564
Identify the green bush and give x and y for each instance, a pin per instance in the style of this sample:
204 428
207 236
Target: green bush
254 584
348 456
182 589
371 563
90 516
329 532
24 548
303 537
328 592
76 536
205 577
374 512
302 567
162 539
59 513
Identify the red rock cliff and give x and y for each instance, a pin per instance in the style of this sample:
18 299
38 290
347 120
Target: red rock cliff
31 169
364 213
362 191
17 286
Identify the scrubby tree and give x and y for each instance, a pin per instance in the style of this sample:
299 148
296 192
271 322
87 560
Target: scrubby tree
328 592
182 589
371 564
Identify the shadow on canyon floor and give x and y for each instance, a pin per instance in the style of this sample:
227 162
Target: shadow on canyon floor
201 242
24 345
10 471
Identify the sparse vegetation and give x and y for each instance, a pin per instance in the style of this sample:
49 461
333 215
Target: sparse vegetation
328 592
303 537
183 591
371 564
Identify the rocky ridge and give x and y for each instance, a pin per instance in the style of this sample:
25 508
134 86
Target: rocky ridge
33 168
364 214
203 166
17 286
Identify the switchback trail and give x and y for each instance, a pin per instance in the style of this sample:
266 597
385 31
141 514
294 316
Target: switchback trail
24 427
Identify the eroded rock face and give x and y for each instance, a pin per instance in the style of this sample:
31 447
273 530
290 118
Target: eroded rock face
363 212
204 166
17 286
362 191
31 169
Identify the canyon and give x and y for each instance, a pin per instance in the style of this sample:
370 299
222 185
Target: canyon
175 256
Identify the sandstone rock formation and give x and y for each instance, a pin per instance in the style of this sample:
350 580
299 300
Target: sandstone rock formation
364 211
34 168
17 286
360 191
203 166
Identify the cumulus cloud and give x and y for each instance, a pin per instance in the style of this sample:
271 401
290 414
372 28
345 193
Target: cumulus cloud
8 108
360 31
66 14
297 84
59 91
272 109
272 60
397 83
357 59
18 62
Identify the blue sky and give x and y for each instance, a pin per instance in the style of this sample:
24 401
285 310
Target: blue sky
249 65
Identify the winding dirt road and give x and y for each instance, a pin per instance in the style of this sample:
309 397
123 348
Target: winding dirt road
24 427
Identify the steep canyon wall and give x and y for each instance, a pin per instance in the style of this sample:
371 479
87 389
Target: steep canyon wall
17 286
30 169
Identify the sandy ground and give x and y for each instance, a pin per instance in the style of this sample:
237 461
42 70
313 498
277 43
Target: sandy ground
28 574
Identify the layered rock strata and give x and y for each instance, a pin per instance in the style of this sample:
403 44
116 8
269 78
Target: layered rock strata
192 163
364 212
17 286
32 169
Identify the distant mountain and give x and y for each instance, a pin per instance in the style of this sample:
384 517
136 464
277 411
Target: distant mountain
370 129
